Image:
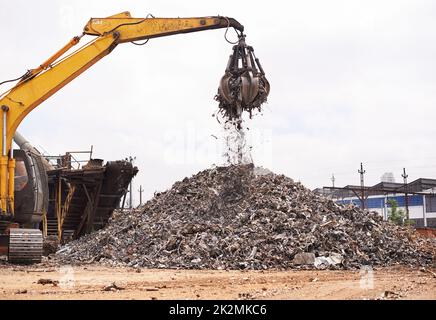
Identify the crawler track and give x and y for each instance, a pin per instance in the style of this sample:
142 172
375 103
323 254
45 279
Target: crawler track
25 246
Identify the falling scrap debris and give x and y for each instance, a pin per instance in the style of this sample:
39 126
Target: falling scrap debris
243 87
243 217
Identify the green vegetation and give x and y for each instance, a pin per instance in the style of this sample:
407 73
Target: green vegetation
398 216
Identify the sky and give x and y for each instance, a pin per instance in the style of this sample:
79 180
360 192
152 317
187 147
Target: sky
351 81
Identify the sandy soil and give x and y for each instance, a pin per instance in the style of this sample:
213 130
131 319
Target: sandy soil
96 282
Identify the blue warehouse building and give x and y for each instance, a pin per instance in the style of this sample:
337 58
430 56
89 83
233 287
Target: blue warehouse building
421 199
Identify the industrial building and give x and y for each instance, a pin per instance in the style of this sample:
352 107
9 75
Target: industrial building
417 197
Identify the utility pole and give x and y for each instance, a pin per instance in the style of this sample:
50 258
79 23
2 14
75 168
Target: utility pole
362 184
406 197
130 196
131 159
140 194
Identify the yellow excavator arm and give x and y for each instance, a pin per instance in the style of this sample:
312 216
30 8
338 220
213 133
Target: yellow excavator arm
40 83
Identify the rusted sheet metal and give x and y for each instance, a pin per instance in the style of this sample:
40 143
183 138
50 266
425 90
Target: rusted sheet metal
427 232
97 192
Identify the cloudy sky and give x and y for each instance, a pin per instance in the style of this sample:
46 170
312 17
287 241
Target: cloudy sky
351 81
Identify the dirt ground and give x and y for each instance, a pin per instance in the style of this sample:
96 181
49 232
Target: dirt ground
96 282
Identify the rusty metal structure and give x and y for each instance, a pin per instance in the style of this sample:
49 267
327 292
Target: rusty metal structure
74 195
82 200
66 199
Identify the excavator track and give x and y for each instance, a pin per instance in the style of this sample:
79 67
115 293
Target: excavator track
25 246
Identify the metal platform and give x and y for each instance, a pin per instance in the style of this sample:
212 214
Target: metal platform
82 200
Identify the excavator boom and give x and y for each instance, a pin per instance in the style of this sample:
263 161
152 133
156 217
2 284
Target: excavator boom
135 29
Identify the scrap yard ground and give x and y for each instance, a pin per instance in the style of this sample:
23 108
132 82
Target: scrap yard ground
97 282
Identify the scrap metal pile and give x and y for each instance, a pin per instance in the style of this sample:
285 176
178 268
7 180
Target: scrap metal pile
243 217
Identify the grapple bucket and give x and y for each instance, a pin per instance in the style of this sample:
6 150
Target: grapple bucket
244 86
